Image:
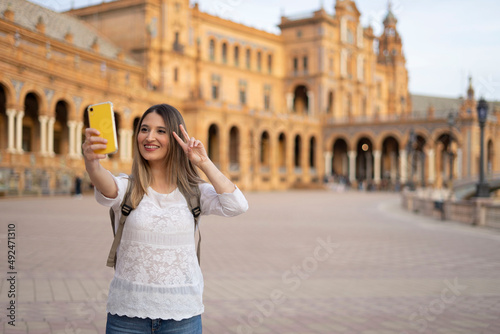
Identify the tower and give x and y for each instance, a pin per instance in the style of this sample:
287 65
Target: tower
391 56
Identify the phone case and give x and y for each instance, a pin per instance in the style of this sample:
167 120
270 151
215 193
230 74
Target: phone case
102 118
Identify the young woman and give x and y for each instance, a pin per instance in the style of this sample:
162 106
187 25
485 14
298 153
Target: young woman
158 285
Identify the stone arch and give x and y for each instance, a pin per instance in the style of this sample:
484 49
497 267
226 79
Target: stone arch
40 95
340 159
300 100
297 149
390 160
455 135
379 140
69 104
313 152
265 150
334 137
282 153
61 130
364 159
234 148
368 135
10 93
31 124
213 143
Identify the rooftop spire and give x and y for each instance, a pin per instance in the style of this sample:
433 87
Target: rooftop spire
390 19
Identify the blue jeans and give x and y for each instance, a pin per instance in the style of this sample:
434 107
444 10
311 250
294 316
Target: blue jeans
124 325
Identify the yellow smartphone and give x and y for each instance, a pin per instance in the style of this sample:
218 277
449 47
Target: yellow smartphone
102 118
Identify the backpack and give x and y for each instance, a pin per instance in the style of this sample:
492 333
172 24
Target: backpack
126 207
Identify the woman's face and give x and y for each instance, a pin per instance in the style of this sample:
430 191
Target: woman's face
153 138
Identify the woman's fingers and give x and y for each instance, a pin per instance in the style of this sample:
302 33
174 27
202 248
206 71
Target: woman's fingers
179 140
93 142
184 132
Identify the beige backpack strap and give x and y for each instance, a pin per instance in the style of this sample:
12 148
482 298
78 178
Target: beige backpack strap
195 208
126 208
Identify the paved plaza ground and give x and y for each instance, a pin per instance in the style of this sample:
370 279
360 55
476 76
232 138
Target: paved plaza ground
296 262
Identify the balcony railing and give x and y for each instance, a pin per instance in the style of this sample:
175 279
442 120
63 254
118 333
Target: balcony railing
177 47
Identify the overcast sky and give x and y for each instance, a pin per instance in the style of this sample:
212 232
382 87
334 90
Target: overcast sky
444 41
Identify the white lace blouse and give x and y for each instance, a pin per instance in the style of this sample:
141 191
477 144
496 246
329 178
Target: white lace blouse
157 273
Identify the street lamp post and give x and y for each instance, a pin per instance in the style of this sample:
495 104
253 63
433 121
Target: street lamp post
410 152
483 189
451 122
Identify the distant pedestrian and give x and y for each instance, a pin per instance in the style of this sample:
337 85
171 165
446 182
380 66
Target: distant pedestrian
158 284
78 186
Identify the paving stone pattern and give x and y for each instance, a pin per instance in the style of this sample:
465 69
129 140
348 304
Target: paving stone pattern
296 262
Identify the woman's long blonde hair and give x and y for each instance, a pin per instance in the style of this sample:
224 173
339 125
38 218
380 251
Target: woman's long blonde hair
181 170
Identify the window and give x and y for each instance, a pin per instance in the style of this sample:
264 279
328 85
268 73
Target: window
267 97
304 63
215 86
295 65
259 61
212 50
176 74
350 36
215 91
248 59
243 92
236 56
349 105
269 64
329 109
224 53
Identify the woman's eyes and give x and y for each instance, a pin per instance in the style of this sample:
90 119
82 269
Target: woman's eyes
162 131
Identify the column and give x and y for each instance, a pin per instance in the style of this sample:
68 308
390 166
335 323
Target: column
376 169
458 164
72 142
289 102
43 133
19 131
403 165
328 163
122 146
422 169
11 114
310 104
130 144
431 166
352 165
50 136
78 148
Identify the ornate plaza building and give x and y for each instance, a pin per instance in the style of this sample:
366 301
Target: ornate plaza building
324 98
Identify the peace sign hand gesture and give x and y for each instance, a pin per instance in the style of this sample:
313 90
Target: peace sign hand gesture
194 148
